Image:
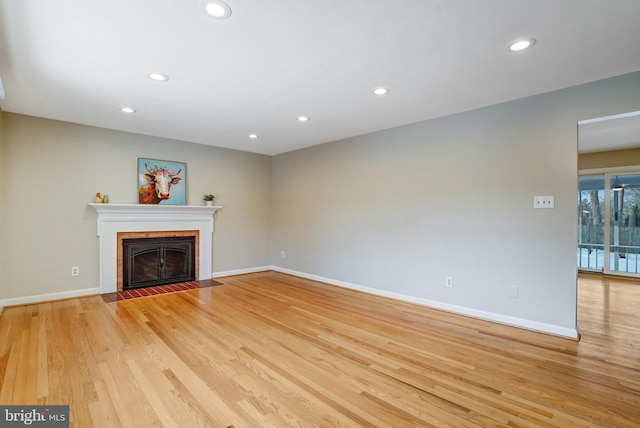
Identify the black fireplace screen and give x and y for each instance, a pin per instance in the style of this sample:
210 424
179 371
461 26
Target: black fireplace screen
157 261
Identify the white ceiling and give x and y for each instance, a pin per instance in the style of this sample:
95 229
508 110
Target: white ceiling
80 61
618 132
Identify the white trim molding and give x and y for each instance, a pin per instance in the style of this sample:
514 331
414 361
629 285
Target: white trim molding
114 218
49 297
241 271
475 313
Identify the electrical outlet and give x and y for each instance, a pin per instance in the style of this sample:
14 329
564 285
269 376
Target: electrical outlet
513 291
449 282
75 271
282 255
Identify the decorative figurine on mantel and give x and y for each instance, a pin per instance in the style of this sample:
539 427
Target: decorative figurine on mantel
97 199
208 200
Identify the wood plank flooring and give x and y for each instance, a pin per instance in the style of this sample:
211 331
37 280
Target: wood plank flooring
272 350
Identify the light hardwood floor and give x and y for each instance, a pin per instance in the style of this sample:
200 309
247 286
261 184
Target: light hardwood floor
271 350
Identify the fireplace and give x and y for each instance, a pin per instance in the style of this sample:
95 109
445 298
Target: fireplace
157 261
151 237
124 221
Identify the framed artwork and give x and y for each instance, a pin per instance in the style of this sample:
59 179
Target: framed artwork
162 182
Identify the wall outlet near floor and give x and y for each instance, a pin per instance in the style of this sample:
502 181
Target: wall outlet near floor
75 271
513 291
282 255
449 282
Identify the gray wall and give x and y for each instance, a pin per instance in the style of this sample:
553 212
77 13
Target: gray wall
53 169
393 212
398 211
3 223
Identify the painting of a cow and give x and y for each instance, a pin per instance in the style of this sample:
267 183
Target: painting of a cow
160 182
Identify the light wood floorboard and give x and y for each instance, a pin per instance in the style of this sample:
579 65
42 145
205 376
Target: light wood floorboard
272 350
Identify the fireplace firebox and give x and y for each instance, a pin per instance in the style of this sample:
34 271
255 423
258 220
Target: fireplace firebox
157 261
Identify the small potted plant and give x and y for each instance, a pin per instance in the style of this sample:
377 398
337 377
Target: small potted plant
208 200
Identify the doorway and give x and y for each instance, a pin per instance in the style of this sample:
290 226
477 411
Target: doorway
609 194
609 223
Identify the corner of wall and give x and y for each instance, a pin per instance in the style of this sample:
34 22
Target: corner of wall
2 213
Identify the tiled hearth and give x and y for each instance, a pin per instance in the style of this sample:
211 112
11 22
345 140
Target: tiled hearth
159 289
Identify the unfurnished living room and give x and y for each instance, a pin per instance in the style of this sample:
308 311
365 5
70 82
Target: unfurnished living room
319 214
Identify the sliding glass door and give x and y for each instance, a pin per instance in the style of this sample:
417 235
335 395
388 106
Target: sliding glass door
609 223
624 223
591 220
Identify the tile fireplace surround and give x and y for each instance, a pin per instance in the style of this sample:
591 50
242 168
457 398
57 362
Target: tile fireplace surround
120 218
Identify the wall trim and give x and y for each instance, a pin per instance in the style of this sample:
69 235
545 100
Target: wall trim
240 271
461 310
26 300
609 170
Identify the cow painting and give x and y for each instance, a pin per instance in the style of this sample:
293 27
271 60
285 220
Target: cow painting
155 184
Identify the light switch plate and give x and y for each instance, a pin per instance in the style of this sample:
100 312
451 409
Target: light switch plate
543 202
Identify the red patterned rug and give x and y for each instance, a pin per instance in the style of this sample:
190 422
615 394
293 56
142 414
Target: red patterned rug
158 289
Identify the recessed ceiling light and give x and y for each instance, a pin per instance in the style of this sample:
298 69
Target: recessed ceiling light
303 119
253 136
381 91
216 9
158 77
519 45
127 110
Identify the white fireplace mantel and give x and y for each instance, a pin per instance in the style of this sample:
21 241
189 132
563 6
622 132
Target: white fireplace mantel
115 218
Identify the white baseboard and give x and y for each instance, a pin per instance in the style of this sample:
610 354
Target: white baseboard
462 310
14 301
489 316
240 271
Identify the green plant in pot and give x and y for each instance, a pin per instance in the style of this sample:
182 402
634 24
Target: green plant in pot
208 199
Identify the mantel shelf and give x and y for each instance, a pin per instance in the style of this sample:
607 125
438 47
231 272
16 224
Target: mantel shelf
151 209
